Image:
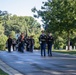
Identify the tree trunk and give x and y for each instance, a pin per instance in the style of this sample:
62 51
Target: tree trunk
68 40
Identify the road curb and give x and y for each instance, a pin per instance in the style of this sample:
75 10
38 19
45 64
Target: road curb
8 69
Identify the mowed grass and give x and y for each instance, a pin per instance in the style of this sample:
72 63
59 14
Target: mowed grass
72 52
2 72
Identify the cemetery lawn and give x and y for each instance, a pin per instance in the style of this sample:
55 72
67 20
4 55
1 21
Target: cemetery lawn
2 72
72 52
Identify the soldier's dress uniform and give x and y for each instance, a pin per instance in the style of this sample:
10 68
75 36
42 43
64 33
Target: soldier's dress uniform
21 41
9 43
49 44
28 44
42 40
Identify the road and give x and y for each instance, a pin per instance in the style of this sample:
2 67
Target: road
28 63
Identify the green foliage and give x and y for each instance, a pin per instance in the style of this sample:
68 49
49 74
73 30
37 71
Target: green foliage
12 34
2 72
20 24
3 40
1 29
59 43
13 24
37 45
72 52
59 16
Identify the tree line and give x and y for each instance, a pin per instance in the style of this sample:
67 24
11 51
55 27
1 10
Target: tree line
13 24
58 17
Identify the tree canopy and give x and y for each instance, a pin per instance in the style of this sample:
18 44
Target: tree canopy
13 24
58 16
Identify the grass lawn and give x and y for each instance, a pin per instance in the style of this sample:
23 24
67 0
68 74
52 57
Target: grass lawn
72 52
2 72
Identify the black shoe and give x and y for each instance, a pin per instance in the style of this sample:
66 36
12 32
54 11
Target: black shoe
50 55
44 55
9 51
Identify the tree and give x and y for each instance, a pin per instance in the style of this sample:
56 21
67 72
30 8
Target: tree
12 24
12 33
3 39
59 16
1 29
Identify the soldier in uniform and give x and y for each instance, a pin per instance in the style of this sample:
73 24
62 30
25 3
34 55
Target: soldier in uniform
28 43
9 43
14 44
42 40
49 43
21 43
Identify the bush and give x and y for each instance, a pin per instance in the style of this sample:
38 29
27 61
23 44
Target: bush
3 39
37 45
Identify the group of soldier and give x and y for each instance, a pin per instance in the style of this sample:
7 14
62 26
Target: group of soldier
46 40
28 42
20 43
23 41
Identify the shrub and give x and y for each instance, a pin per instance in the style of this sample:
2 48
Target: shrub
3 39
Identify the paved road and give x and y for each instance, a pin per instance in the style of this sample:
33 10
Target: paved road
28 63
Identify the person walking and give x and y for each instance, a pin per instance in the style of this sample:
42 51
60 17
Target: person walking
42 40
21 41
14 44
9 43
28 43
49 43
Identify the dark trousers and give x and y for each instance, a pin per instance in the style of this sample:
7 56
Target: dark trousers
31 48
18 47
21 47
27 47
9 48
43 49
13 47
49 49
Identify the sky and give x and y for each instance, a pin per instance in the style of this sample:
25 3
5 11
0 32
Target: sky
20 7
